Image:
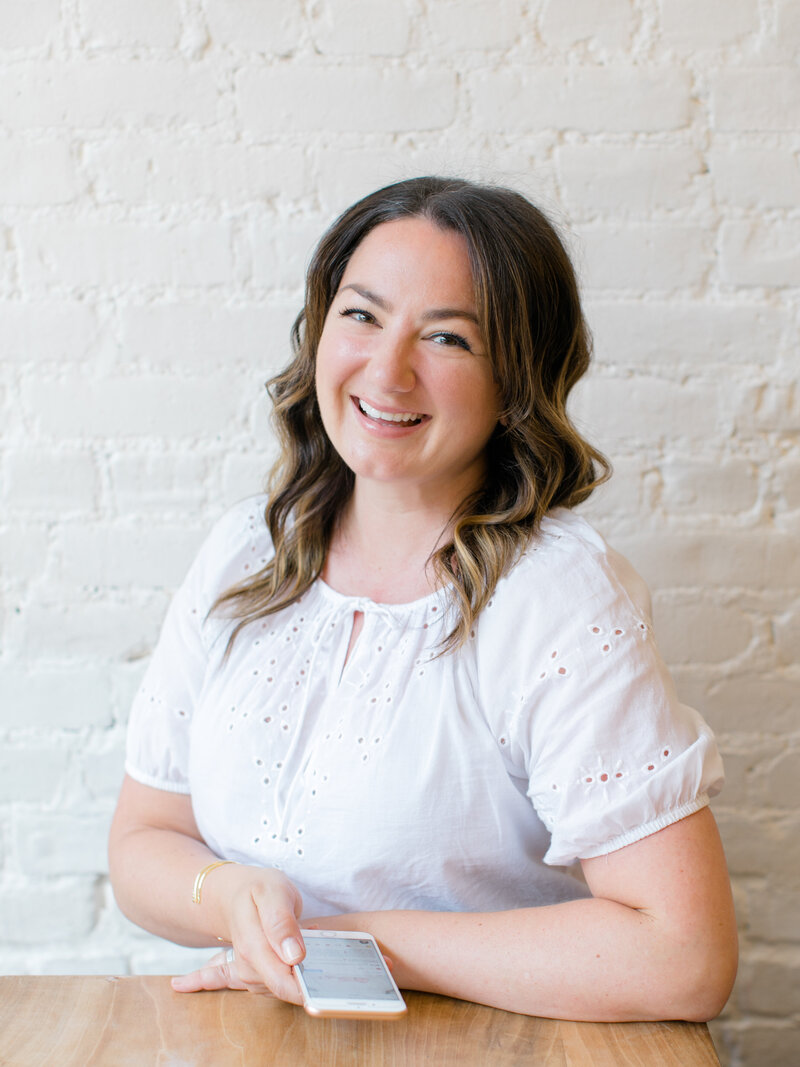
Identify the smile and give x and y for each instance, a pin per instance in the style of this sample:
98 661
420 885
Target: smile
408 418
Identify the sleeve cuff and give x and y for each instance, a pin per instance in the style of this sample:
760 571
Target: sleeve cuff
563 857
156 783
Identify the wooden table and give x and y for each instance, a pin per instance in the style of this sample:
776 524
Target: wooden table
141 1022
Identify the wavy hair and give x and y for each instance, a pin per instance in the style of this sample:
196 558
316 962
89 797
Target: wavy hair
537 341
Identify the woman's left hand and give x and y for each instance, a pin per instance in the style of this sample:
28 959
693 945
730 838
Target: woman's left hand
219 973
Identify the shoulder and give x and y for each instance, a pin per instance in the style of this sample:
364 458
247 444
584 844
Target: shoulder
569 568
237 546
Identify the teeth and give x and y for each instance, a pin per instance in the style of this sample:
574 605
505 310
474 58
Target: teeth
406 416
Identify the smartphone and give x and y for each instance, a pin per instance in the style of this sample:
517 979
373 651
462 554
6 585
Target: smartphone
343 974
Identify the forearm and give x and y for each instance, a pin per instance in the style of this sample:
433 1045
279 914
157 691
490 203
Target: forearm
585 960
153 873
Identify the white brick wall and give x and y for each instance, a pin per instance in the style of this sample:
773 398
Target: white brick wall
165 168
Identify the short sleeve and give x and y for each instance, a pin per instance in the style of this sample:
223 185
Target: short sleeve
159 728
590 713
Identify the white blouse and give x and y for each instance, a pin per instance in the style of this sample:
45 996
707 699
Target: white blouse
403 780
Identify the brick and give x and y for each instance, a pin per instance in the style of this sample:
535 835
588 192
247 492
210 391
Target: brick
245 474
761 253
757 98
754 844
106 94
570 24
770 984
99 629
767 1043
351 173
77 254
40 331
623 494
34 915
160 957
31 775
360 99
788 23
466 24
136 407
86 962
787 638
53 698
270 26
787 483
593 99
62 483
773 408
280 257
633 180
354 27
755 177
127 677
63 842
153 23
746 702
695 23
24 553
200 337
644 256
708 487
755 560
699 632
30 25
616 411
774 912
33 173
102 772
738 770
783 782
165 484
119 556
159 170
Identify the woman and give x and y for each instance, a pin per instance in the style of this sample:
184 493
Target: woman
406 690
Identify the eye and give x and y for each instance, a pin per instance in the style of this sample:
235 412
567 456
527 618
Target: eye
358 314
449 339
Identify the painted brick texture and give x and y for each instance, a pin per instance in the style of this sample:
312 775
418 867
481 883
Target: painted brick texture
165 168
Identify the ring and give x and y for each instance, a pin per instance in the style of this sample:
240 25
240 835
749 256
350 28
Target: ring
230 955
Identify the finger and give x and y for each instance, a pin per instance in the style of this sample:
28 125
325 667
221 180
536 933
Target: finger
282 931
221 975
256 958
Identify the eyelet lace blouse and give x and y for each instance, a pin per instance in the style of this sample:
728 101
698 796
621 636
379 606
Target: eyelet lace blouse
402 780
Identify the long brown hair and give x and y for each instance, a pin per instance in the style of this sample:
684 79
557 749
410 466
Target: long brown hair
536 338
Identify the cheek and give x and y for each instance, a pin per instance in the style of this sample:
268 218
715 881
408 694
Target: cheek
337 360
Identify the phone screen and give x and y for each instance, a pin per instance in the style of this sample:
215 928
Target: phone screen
344 968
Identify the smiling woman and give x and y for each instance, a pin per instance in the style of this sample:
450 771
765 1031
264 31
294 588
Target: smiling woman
403 398
411 687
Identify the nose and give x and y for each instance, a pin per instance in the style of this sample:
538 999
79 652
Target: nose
391 365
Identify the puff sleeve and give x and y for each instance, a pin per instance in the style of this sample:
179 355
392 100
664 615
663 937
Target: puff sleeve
159 728
588 711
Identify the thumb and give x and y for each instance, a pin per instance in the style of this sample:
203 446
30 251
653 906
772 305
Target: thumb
282 930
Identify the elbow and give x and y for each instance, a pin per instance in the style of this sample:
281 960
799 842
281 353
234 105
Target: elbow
702 989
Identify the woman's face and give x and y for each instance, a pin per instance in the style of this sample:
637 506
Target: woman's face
404 384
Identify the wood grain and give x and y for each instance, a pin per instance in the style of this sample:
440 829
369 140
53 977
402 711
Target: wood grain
136 1022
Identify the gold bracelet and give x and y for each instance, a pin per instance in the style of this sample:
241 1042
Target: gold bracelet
201 877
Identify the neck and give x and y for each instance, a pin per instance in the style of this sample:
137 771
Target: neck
383 543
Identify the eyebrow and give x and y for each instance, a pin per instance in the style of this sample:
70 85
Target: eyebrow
428 316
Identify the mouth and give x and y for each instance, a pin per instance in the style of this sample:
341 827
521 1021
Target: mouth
397 418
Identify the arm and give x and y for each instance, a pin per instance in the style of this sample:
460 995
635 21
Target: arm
656 941
155 853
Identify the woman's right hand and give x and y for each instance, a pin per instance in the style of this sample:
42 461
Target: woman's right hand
259 910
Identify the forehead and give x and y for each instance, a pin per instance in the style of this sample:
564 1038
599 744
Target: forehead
414 253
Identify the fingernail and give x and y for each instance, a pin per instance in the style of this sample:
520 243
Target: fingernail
292 949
